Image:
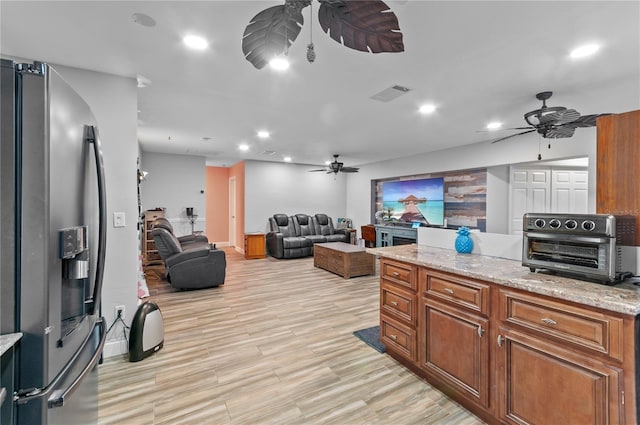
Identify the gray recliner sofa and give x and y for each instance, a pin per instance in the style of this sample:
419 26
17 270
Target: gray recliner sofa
294 236
196 267
187 241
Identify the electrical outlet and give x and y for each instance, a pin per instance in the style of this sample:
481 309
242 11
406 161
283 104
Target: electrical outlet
119 309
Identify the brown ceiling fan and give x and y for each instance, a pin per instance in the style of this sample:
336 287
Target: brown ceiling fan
336 167
364 25
553 122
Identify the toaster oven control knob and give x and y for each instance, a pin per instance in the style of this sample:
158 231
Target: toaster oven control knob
571 224
588 225
554 223
539 223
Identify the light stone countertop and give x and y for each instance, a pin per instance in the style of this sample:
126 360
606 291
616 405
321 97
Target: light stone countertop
622 298
9 340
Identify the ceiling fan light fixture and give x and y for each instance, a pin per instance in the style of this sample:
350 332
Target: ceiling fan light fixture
584 51
195 42
279 64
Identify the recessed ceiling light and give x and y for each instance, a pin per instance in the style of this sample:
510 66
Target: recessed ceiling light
494 125
584 51
195 42
327 162
243 147
287 159
427 109
263 134
279 64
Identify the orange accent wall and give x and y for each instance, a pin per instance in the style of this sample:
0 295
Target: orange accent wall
237 171
217 203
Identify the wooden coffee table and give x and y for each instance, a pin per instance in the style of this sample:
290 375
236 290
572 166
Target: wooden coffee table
344 259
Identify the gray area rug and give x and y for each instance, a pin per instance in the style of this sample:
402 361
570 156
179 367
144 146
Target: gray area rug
371 336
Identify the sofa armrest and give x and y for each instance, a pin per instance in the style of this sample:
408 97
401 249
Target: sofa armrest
186 255
275 244
198 268
192 238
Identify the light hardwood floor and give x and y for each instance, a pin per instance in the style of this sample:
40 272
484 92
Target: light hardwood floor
273 345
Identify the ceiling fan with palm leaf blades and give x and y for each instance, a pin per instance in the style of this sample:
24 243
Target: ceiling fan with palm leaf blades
336 167
364 25
553 122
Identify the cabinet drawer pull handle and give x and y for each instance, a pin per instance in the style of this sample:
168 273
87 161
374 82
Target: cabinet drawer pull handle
480 331
448 290
393 337
394 303
396 274
500 340
549 321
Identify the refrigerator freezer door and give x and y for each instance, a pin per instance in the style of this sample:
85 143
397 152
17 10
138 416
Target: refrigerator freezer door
59 191
7 197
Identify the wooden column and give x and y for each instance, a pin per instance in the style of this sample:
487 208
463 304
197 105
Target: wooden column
618 166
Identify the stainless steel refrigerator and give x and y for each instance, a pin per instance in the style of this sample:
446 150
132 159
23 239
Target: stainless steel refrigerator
53 245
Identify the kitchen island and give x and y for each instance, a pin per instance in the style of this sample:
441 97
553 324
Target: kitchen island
511 345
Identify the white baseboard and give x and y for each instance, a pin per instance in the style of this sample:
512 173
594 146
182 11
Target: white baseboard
115 348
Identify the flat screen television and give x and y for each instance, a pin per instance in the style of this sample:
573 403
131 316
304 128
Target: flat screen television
415 201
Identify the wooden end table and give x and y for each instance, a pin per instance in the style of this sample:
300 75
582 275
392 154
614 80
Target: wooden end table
344 259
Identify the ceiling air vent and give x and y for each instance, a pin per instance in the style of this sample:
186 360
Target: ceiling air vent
393 92
268 152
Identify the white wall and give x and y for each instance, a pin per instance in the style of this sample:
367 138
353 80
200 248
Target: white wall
273 187
175 182
517 150
114 102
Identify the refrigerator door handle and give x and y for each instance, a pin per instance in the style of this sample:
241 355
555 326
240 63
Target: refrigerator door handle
25 396
58 397
91 136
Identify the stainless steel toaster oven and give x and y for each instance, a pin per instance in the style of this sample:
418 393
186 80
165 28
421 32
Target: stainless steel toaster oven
578 245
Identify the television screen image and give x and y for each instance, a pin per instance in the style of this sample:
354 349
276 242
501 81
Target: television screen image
418 201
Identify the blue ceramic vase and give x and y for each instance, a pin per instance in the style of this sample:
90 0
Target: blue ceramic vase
464 243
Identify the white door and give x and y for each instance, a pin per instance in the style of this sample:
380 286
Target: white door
569 191
529 191
232 211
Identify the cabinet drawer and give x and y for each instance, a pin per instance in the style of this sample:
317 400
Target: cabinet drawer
398 337
398 302
399 273
580 326
457 290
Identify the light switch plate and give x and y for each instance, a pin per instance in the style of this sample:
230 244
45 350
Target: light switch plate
119 219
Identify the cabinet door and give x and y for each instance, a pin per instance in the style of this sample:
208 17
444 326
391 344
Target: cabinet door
454 347
541 384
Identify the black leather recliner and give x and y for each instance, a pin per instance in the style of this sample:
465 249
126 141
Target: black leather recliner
324 226
194 268
305 228
187 241
283 241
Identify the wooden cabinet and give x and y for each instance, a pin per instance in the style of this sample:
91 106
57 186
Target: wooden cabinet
399 309
254 246
541 383
509 355
149 251
617 191
454 333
